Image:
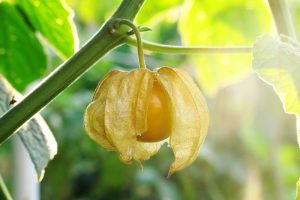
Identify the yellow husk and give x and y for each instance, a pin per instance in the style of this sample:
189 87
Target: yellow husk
125 115
189 113
118 114
94 114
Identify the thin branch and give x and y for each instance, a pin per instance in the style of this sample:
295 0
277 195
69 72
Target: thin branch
170 49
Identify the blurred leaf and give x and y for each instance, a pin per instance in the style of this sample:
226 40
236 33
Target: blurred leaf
4 193
298 130
294 8
288 160
35 134
39 142
94 11
298 190
278 64
22 59
149 178
53 19
232 22
218 71
154 9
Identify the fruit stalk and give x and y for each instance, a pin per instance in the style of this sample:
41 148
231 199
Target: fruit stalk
137 34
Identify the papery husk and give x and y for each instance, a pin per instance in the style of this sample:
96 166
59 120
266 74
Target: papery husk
94 114
125 114
104 84
190 116
118 114
141 101
143 151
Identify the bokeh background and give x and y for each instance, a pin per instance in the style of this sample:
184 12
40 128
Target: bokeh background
251 150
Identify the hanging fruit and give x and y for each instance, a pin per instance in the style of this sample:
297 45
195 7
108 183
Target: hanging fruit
134 113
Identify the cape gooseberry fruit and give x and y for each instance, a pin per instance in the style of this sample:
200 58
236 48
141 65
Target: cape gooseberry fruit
134 113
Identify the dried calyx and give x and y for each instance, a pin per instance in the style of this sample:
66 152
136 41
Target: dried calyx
134 113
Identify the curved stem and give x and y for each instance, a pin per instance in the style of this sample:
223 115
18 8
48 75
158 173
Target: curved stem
139 42
170 49
101 43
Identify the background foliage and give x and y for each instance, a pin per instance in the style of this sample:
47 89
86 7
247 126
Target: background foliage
251 151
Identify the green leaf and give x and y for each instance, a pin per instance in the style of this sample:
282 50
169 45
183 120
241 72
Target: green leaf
35 134
157 11
4 193
298 130
278 64
222 23
298 190
22 58
53 19
294 8
94 11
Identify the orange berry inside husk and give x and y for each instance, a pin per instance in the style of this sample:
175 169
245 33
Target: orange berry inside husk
159 124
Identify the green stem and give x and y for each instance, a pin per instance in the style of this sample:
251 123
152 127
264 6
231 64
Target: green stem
4 194
138 39
282 17
170 49
101 43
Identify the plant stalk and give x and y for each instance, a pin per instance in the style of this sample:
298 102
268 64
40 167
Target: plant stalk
101 43
139 42
171 49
